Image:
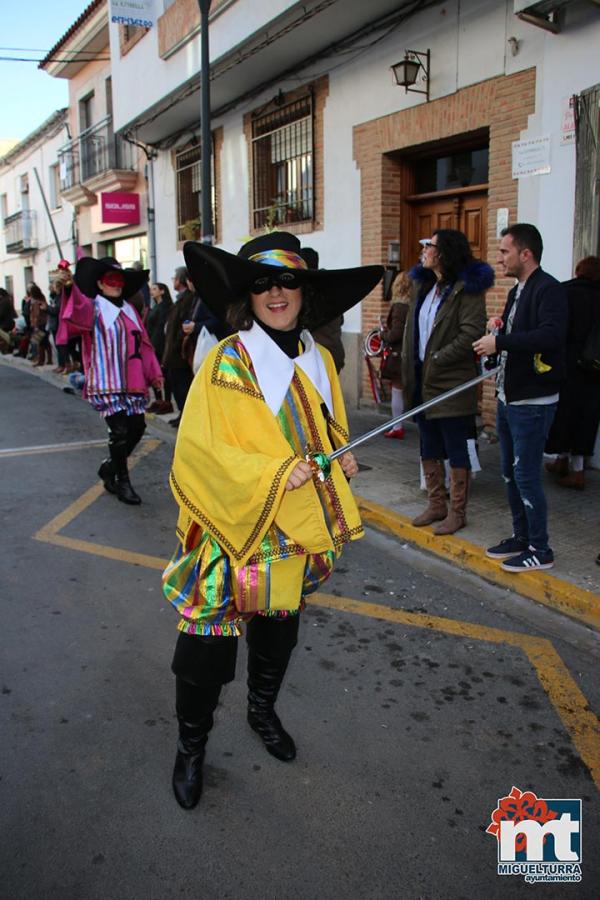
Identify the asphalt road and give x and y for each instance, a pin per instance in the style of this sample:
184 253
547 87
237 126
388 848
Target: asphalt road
411 716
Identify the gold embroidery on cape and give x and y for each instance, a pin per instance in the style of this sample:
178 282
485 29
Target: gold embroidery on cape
230 382
346 535
328 485
271 496
339 429
292 550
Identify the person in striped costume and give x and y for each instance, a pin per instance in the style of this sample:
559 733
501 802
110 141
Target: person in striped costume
118 360
257 531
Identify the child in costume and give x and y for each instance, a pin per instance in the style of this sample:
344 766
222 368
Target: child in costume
257 532
118 360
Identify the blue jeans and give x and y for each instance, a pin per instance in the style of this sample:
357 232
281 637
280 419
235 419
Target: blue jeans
522 432
446 438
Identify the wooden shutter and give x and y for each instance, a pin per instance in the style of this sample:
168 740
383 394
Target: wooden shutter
586 240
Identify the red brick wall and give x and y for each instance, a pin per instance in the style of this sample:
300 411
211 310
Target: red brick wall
500 104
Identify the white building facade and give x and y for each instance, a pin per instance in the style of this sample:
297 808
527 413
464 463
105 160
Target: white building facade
36 219
101 174
311 134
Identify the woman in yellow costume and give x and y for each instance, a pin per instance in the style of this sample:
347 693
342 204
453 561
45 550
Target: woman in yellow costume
257 530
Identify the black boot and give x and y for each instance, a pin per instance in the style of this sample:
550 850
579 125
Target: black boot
125 492
195 708
202 666
136 426
107 474
119 435
270 645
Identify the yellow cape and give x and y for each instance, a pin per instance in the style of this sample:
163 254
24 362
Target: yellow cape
232 462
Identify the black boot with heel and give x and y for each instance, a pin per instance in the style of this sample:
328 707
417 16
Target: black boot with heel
202 665
270 644
124 434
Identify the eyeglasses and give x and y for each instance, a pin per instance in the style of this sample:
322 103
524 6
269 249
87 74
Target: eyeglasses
429 244
282 279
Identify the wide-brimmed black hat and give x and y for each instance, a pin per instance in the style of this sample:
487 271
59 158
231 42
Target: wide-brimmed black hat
223 278
89 271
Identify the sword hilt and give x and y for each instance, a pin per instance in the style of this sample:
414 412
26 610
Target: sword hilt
320 464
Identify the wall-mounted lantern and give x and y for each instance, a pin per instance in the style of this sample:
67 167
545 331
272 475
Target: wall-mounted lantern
413 70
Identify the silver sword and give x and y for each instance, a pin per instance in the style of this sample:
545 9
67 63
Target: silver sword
321 462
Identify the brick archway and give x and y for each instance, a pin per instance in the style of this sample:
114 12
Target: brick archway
500 105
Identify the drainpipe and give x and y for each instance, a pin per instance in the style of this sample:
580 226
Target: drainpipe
47 208
151 154
206 218
151 215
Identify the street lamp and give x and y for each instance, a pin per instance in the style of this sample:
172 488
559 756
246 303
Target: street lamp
406 72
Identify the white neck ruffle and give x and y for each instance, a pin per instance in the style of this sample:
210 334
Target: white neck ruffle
275 370
110 312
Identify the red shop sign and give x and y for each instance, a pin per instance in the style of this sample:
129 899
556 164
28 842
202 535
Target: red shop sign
119 208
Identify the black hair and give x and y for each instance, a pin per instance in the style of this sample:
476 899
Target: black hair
526 237
165 292
454 253
34 292
588 267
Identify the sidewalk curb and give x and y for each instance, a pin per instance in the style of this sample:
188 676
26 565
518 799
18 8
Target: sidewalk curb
555 593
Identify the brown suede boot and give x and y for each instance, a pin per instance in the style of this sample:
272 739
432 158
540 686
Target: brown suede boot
558 466
436 508
575 480
457 514
41 358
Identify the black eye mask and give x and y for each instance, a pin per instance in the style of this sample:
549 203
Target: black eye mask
282 279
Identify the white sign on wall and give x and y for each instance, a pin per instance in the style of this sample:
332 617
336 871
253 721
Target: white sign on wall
567 125
531 157
501 220
133 12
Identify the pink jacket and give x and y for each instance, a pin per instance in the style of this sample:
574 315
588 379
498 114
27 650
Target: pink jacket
80 316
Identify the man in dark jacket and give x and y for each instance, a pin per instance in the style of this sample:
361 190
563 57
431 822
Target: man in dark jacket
531 347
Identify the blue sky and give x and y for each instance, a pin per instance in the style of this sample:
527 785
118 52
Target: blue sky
29 95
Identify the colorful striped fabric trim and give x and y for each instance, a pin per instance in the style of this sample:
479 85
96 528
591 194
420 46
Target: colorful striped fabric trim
284 258
109 404
108 362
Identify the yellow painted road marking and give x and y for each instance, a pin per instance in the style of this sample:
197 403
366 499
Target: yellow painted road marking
551 591
126 556
50 531
562 690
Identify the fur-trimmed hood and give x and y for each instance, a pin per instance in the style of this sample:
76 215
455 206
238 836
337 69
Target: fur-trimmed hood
476 277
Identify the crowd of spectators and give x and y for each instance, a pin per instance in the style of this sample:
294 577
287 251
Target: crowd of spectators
433 335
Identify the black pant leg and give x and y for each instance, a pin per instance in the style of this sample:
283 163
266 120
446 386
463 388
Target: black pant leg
136 426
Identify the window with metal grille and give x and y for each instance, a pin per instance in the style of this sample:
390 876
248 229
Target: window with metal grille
188 165
282 165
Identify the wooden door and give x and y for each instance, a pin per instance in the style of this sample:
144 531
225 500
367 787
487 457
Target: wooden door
464 211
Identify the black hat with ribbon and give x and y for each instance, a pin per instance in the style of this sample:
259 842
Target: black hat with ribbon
89 271
223 278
